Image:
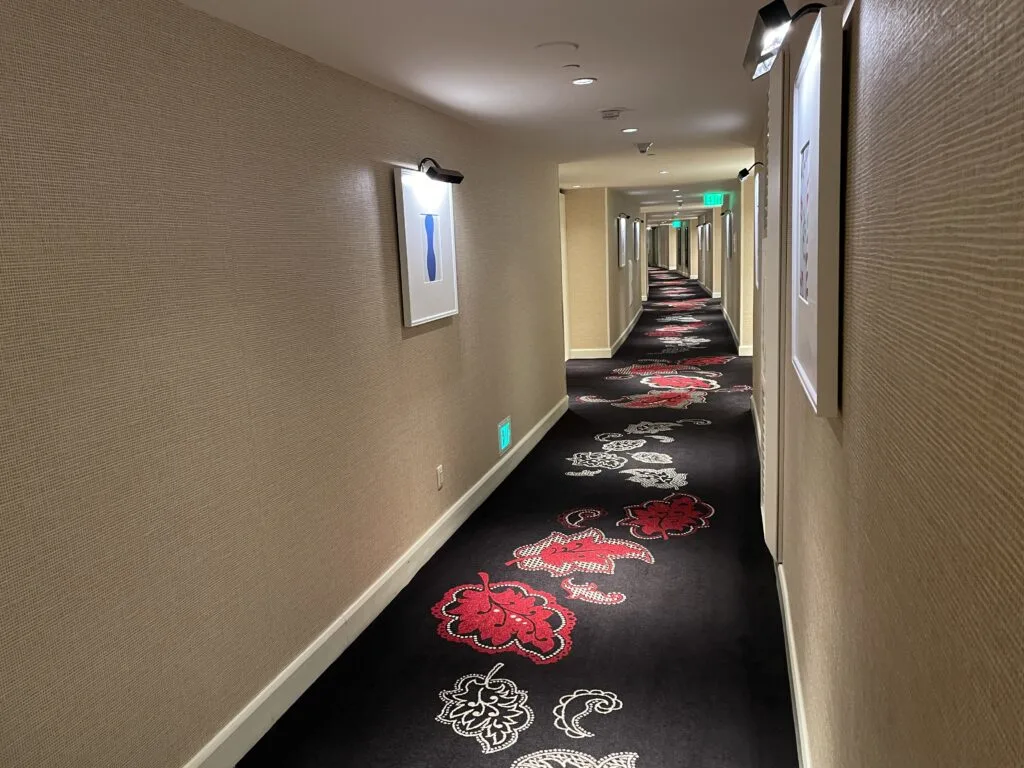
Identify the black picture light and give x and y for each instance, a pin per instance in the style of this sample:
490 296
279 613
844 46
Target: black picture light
433 169
746 171
769 33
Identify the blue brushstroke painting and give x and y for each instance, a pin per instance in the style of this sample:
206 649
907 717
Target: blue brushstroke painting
430 225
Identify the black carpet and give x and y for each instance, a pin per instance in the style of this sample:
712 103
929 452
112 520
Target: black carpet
616 584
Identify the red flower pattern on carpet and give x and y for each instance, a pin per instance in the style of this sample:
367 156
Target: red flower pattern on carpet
700 362
677 515
688 305
676 398
589 551
506 617
679 381
674 330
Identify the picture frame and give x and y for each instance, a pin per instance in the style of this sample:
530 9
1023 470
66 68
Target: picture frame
637 238
621 222
426 246
728 234
815 211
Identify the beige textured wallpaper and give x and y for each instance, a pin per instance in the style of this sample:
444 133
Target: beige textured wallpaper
216 432
717 260
738 272
904 517
587 243
623 282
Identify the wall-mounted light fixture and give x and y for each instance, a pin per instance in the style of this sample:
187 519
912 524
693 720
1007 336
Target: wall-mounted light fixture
433 169
746 171
769 33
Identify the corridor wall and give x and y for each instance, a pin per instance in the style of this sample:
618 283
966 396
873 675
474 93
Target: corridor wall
738 270
717 256
624 284
217 433
903 518
694 248
587 241
604 298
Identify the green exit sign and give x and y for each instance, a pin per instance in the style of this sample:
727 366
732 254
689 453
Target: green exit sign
714 199
677 224
504 434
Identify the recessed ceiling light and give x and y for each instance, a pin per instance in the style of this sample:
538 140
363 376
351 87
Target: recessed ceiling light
675 190
576 186
584 81
663 172
630 130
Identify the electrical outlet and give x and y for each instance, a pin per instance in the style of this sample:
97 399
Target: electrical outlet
440 476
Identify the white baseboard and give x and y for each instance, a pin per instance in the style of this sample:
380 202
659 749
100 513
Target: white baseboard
743 350
598 353
759 439
758 432
795 685
248 726
622 336
732 328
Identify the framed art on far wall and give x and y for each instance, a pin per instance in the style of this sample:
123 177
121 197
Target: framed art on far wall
817 159
621 222
426 245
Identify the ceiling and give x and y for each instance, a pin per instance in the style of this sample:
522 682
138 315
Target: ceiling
673 66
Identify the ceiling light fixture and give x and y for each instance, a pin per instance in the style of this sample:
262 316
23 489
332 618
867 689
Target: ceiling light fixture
771 27
662 172
746 171
584 81
630 130
576 186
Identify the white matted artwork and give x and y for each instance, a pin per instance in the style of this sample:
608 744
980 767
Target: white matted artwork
728 235
637 235
426 244
620 227
817 156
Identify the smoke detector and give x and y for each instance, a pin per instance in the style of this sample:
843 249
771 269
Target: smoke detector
643 147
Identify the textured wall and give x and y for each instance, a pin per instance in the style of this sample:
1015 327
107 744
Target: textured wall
745 243
904 518
662 234
738 272
587 243
216 431
623 282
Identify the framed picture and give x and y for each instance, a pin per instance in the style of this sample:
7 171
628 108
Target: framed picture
426 246
817 157
621 222
728 235
637 235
